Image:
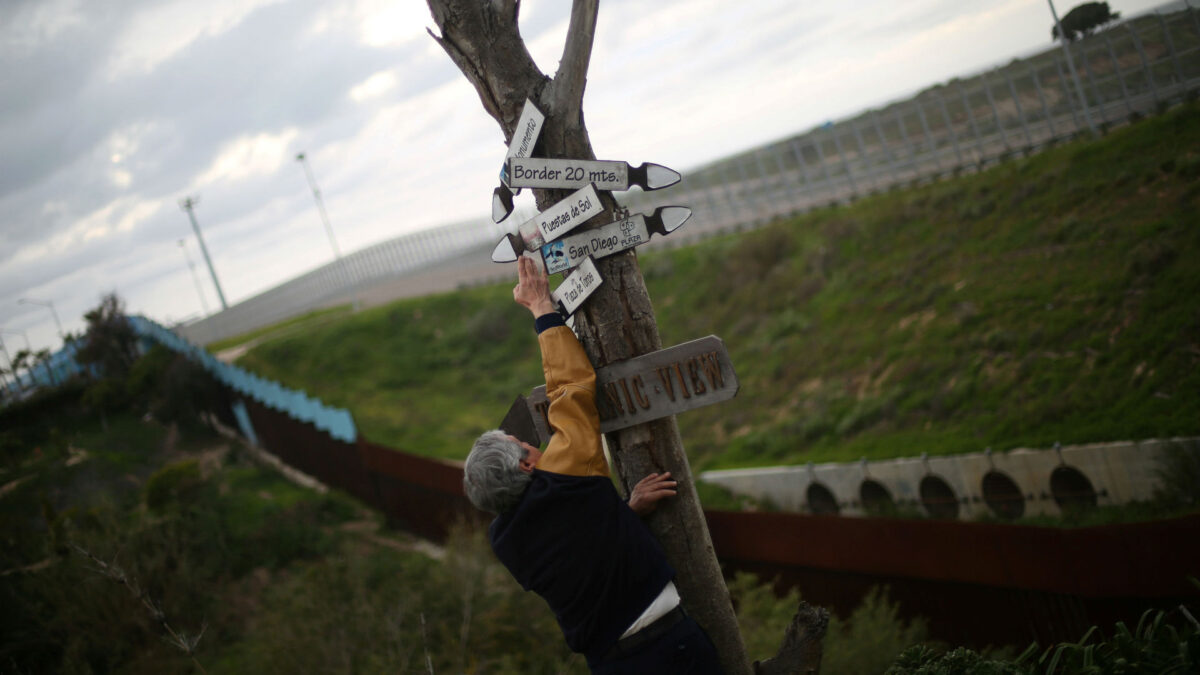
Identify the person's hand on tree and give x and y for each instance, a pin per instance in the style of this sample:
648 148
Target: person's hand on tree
650 490
533 288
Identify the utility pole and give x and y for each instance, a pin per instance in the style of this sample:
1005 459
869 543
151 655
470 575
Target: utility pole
195 277
10 370
1065 41
337 254
23 334
187 204
49 304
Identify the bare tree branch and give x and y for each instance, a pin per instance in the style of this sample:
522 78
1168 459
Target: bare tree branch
482 39
508 8
571 77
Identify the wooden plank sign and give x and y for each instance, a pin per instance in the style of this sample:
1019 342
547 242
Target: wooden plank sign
577 287
541 172
559 257
617 236
529 127
670 381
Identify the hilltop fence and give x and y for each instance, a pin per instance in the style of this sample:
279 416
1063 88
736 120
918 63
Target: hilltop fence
1136 68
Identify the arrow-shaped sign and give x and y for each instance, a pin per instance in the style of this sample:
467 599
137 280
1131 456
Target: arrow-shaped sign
617 236
579 207
529 127
577 287
567 174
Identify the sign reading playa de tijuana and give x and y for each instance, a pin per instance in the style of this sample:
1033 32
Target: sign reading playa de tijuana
577 287
667 382
541 172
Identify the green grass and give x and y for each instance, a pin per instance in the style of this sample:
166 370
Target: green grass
1054 298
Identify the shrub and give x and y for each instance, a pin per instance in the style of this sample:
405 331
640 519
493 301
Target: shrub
172 484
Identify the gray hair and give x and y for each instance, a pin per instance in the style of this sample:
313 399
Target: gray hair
492 475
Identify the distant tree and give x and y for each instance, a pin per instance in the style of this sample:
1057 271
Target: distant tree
110 346
1084 20
21 361
110 343
42 358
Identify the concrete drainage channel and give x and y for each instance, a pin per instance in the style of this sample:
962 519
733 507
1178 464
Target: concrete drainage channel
1005 485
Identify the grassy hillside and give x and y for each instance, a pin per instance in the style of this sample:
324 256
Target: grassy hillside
1050 299
134 547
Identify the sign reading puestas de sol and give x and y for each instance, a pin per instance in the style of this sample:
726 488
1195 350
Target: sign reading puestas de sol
564 216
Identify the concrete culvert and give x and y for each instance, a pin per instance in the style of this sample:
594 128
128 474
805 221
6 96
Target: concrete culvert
1072 490
938 497
820 500
876 500
1003 496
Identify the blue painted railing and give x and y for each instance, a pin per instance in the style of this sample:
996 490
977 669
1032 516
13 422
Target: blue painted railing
337 422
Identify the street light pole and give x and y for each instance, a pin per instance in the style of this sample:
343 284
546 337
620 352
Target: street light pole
8 359
187 204
337 254
28 352
47 303
1064 40
195 277
23 334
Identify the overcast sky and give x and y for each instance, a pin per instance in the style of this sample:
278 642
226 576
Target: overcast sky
112 111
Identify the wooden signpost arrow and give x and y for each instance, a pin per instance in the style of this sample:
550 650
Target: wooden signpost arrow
567 174
577 287
529 127
620 235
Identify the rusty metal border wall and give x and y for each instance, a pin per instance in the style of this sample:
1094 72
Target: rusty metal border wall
976 583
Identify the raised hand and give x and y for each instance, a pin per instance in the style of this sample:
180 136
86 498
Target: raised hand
533 288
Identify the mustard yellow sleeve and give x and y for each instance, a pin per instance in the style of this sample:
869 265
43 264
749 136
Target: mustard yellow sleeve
574 447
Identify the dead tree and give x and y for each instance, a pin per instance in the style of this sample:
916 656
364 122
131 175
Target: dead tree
617 322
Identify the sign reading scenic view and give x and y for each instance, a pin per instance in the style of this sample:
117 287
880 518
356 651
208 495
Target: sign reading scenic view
670 381
539 172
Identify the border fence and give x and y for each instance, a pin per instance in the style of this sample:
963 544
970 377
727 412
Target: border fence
978 584
1136 68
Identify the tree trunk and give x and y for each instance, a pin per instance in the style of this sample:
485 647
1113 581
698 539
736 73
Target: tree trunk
617 323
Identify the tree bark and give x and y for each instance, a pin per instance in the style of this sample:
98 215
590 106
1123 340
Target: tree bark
617 322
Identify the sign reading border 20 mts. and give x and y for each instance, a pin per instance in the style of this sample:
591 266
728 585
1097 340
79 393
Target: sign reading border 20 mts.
565 174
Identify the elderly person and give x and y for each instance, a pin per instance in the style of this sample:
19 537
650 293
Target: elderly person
562 530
